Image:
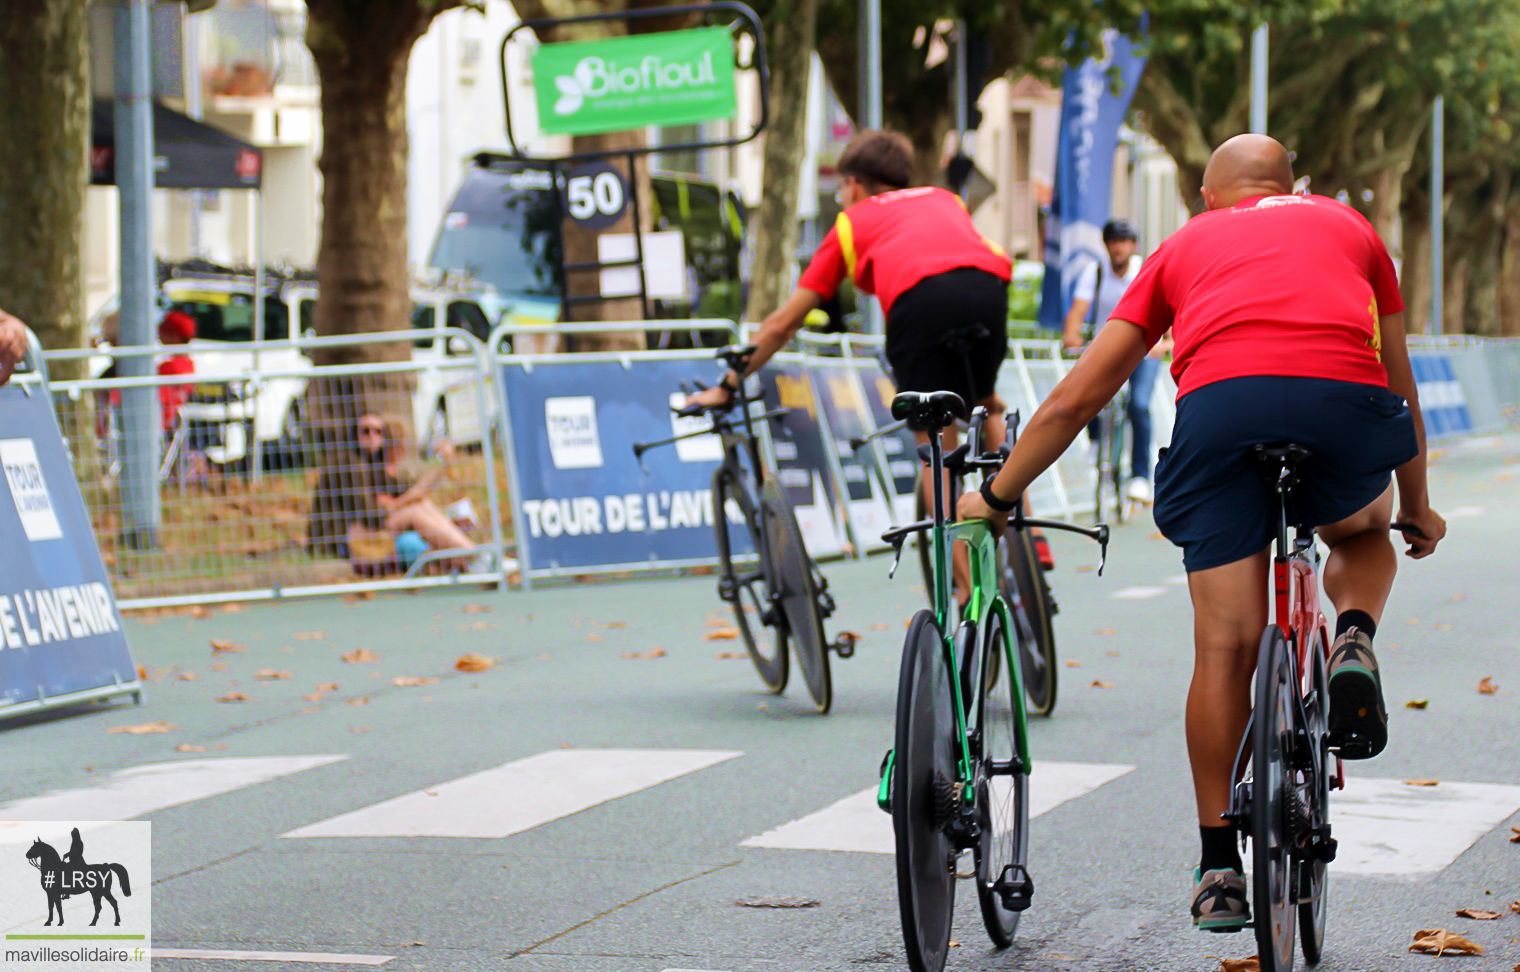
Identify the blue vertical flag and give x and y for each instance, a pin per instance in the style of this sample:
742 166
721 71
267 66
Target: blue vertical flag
1091 113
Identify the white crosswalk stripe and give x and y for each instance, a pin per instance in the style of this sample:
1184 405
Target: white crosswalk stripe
1137 593
857 824
1389 828
519 795
232 955
155 786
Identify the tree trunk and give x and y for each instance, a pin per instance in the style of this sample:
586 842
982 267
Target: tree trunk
363 277
789 40
581 247
1414 269
45 117
1509 269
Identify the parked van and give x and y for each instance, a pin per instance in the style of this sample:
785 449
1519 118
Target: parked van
503 228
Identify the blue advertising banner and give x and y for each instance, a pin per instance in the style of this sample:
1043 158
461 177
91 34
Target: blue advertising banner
1443 402
899 449
61 637
842 393
582 499
1091 113
802 453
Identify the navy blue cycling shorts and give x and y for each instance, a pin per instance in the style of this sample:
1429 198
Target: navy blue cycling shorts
1212 499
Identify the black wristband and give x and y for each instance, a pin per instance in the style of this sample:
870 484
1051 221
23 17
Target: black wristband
723 384
997 504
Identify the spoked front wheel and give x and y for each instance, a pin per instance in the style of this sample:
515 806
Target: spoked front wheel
1273 803
1003 886
1033 632
798 592
744 587
923 796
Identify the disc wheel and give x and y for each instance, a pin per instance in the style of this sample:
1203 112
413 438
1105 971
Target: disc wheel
923 796
798 592
1313 873
1002 793
766 647
1037 644
1272 859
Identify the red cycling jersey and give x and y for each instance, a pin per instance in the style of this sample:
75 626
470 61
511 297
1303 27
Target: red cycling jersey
1276 285
892 240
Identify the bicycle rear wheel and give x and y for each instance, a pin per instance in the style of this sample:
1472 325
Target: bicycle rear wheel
745 588
1037 645
798 592
1313 873
923 796
1002 795
1272 859
923 541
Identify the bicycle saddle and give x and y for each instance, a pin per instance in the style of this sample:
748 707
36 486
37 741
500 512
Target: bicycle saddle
1277 459
960 338
736 356
928 411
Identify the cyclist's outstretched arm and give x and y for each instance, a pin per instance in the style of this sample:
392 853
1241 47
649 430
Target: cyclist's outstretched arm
1414 494
1093 380
775 331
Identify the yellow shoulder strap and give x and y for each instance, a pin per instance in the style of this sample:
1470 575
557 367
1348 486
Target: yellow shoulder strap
846 234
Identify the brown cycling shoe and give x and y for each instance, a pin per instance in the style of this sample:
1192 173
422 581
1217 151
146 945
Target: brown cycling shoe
1358 718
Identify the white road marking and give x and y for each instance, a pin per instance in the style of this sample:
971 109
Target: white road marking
1466 512
1388 828
1137 593
520 795
145 789
227 955
857 824
1177 580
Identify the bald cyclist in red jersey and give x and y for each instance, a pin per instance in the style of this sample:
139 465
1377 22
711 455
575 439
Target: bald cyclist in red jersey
1288 326
917 250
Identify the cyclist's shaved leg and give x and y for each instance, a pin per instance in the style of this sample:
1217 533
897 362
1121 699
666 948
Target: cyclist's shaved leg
1359 572
1229 613
960 562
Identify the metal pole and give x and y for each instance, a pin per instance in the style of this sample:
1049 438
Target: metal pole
190 43
1259 80
870 116
1437 215
961 94
257 386
141 422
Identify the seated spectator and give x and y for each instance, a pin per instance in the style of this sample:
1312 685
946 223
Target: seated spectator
391 496
175 330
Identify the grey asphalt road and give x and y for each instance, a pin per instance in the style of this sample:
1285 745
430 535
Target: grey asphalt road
654 879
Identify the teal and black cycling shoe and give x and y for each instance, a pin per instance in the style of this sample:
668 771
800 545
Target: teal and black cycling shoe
1219 900
1358 720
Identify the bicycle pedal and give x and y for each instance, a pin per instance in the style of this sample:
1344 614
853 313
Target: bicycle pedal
728 590
844 645
1015 887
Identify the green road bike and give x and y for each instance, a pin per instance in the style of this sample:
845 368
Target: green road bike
957 777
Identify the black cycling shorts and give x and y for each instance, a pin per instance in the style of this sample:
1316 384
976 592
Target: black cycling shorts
1211 497
924 314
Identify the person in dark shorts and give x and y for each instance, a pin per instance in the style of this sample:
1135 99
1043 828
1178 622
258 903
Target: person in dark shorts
942 285
1289 326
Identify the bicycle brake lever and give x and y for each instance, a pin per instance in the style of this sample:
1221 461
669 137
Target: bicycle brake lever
702 386
686 388
897 546
1102 539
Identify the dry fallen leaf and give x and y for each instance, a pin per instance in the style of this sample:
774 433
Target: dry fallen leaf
722 634
1073 663
271 674
221 646
192 748
1112 654
233 697
716 622
359 655
593 636
361 700
1417 703
879 626
328 687
142 671
220 666
471 662
849 637
1099 683
198 611
144 728
1105 631
615 624
1252 964
233 608
1422 782
1477 914
187 676
1515 839
314 696
1486 686
651 653
731 655
476 609
1439 941
1515 907
309 635
407 681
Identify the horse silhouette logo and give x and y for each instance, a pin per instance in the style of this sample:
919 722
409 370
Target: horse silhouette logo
66 877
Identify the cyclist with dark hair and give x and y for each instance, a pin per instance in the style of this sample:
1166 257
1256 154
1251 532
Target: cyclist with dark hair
1290 328
1099 289
942 285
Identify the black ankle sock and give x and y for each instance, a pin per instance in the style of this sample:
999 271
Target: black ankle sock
1220 849
1353 618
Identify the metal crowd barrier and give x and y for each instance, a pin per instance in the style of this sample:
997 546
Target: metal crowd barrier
242 516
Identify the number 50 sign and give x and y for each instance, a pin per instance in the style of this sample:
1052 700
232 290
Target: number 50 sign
595 195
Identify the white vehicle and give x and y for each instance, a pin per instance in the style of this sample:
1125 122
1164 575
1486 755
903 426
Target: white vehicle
233 415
